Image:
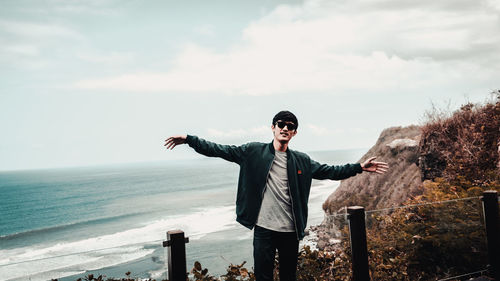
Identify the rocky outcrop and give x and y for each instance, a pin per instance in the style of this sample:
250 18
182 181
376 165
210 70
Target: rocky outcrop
399 147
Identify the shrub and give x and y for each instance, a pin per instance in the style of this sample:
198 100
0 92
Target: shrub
464 144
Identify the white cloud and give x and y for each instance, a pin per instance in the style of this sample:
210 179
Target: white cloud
32 30
99 7
240 133
21 49
112 58
23 56
318 130
494 4
205 30
325 47
33 45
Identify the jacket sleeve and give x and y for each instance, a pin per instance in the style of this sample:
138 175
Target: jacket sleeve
340 172
231 153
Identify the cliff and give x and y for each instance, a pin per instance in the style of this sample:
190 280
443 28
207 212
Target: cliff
452 155
399 147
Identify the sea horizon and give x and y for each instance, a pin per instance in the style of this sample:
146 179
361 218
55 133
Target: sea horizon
163 161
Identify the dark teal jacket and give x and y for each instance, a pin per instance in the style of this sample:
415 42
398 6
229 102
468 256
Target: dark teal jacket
255 160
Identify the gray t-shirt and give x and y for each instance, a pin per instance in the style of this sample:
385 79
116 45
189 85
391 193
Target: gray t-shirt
276 210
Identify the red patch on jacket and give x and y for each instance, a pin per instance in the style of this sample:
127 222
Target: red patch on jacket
299 172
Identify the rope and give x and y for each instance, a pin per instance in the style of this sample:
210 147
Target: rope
409 206
423 204
463 275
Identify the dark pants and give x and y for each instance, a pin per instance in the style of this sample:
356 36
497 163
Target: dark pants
265 244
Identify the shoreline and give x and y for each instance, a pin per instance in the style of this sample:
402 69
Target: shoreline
227 242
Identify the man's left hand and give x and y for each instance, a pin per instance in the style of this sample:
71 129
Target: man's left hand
374 167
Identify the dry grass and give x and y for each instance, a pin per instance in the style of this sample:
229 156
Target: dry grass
464 144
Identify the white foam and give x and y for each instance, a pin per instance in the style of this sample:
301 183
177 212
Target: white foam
55 261
322 189
246 236
310 240
158 274
87 254
43 276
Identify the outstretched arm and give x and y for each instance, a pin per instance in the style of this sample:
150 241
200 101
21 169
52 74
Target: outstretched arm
228 152
340 172
374 167
173 141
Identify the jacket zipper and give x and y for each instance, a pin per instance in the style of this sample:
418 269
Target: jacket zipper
264 190
293 212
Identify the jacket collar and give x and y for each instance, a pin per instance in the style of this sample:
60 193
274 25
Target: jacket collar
273 151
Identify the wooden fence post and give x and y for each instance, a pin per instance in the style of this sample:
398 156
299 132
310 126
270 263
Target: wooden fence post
357 232
491 221
176 243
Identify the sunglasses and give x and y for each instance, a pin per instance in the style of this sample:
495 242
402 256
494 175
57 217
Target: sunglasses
289 125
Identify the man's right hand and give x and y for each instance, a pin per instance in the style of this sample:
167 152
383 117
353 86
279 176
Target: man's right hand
172 141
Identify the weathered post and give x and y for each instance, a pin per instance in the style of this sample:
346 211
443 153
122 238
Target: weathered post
491 221
176 243
357 231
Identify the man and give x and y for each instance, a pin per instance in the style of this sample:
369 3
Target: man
273 191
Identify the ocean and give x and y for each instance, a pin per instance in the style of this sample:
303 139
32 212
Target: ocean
67 223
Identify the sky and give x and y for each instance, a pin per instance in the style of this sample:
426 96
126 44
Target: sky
91 82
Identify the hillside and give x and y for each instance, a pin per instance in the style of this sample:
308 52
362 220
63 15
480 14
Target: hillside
438 172
398 146
462 145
